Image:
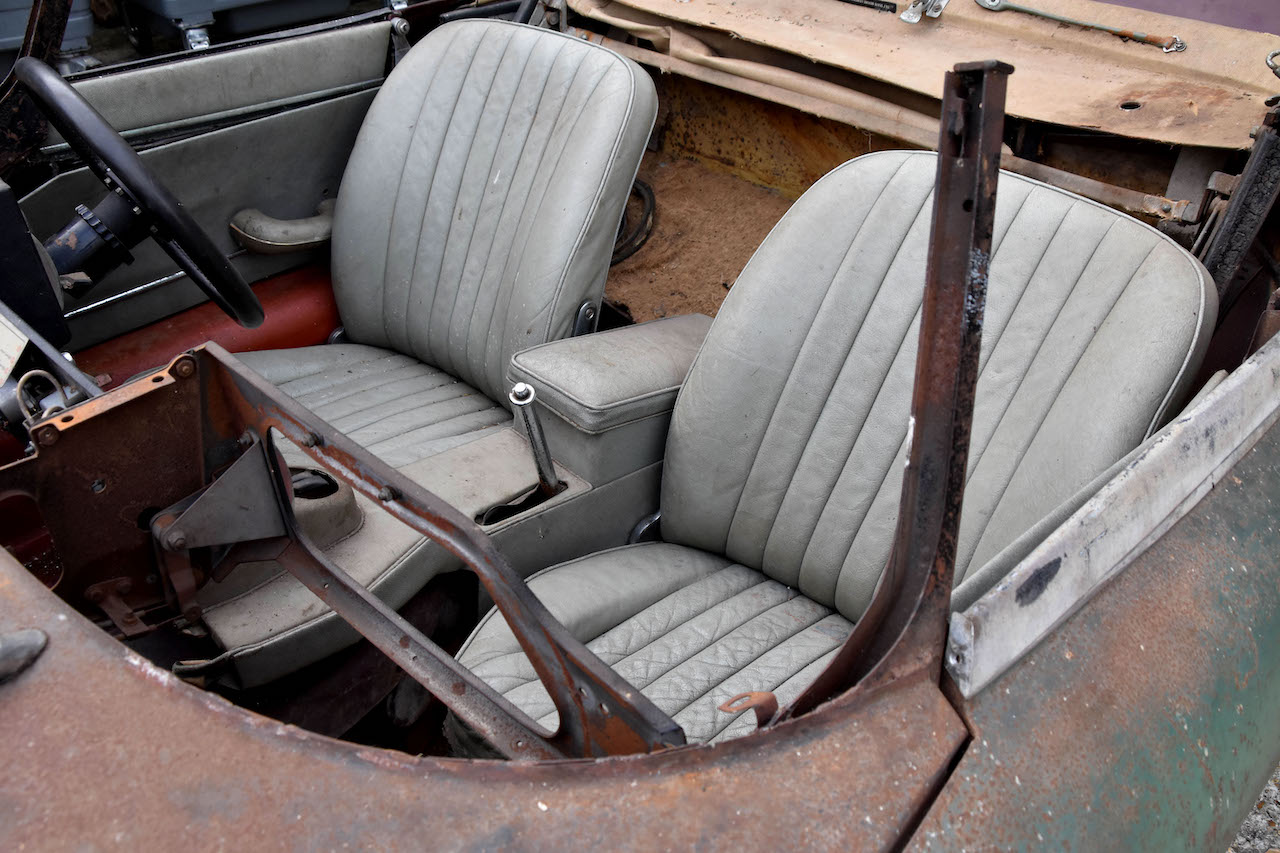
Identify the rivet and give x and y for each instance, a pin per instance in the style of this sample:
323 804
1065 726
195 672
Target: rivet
386 493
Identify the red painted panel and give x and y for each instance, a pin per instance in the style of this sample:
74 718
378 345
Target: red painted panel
300 312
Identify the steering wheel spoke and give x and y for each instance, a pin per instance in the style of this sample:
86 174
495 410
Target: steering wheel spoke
122 171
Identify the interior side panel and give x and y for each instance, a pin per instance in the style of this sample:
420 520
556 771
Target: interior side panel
284 165
270 126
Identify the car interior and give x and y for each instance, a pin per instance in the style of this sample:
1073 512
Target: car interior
707 504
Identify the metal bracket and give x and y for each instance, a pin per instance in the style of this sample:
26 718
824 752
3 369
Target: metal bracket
587 318
932 8
109 595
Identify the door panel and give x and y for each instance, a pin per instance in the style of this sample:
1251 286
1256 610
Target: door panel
268 126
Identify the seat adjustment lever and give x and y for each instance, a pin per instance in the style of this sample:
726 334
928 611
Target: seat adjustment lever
522 396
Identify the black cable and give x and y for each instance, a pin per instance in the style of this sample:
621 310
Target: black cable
627 246
487 10
525 12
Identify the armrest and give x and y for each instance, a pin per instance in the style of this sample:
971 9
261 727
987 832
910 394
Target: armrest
266 235
603 381
609 396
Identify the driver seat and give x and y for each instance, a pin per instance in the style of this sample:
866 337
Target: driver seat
476 216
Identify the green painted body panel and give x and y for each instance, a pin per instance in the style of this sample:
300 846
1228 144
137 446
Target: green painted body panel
1150 719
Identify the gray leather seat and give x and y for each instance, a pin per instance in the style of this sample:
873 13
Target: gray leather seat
785 455
477 214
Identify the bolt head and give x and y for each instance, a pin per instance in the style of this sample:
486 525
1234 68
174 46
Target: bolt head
186 368
521 393
386 493
47 435
176 540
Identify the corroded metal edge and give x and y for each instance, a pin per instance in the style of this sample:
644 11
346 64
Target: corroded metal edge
1180 465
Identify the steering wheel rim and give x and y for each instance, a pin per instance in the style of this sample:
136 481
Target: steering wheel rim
121 170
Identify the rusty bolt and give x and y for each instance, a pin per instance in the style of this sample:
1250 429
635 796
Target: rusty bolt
312 440
386 493
124 586
95 595
47 435
129 618
186 368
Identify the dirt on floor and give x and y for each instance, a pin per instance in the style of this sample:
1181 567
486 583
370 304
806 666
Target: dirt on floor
707 225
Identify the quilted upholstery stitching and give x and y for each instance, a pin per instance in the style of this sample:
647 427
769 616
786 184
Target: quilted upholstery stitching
976 457
534 211
493 158
800 352
824 413
1033 434
527 216
409 151
441 356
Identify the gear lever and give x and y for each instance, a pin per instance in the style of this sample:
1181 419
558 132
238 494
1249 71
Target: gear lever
522 396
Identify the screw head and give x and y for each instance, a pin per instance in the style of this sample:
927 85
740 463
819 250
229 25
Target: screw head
47 436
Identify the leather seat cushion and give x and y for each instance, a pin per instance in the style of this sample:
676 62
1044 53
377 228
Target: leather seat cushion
399 408
688 628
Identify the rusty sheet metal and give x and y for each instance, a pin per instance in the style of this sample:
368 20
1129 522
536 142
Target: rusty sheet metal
1149 719
1210 95
103 749
911 600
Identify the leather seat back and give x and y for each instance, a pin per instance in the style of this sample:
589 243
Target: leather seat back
788 440
480 204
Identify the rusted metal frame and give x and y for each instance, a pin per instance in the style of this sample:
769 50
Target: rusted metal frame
22 126
906 618
600 713
1253 198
